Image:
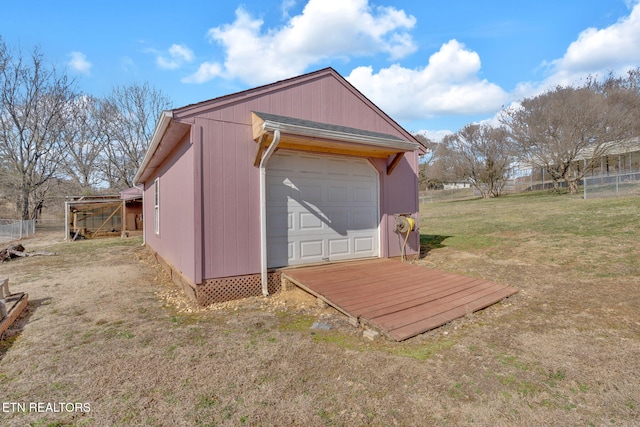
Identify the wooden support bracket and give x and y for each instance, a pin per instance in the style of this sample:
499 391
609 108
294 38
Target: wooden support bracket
394 162
262 145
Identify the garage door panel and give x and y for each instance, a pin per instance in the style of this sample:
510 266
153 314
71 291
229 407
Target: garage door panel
364 194
338 193
363 244
364 171
309 165
280 251
309 221
363 219
331 208
339 247
312 250
280 162
338 168
338 221
277 193
310 192
279 222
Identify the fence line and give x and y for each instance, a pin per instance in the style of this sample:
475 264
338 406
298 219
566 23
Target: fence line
601 185
11 229
622 184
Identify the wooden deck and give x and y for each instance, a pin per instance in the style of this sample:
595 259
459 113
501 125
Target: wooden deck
400 300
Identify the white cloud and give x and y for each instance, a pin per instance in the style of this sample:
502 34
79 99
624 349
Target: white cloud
79 62
347 27
448 85
612 47
595 52
435 135
128 65
178 54
286 6
206 72
325 29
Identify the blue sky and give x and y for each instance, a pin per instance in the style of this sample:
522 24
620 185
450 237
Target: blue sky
433 66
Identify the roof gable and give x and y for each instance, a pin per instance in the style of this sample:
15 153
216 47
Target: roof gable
318 88
322 96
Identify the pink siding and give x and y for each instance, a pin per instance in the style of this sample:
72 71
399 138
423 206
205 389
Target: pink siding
324 99
231 221
213 166
398 194
231 200
176 240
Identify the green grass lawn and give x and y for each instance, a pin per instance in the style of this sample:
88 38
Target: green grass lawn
594 236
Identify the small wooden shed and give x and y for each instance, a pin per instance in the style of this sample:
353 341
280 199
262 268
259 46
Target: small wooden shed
132 211
301 171
88 217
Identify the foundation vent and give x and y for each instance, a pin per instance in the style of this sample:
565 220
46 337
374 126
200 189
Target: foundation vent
236 287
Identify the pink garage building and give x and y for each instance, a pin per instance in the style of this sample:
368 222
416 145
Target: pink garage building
302 171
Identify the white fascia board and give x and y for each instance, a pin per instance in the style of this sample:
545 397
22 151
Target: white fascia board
397 144
158 133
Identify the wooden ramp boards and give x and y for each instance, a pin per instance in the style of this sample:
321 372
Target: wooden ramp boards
11 305
399 299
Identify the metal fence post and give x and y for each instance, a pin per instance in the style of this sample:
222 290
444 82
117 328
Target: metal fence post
584 180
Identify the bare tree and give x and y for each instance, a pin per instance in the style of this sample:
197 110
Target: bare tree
480 154
566 124
131 113
623 102
84 139
440 170
425 177
33 109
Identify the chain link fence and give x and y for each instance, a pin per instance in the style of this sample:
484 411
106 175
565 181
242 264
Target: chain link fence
592 186
623 184
11 229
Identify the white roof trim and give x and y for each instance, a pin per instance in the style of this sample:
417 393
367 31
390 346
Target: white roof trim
158 133
338 134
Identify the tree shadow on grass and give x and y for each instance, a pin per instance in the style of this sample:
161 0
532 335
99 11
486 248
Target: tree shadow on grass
11 335
428 242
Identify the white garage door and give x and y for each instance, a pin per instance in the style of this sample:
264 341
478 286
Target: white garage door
320 208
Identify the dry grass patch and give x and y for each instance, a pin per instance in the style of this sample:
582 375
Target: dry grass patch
104 326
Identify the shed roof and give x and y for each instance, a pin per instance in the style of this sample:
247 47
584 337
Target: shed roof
273 121
131 193
611 148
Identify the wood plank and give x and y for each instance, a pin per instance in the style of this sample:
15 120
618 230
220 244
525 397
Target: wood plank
332 147
442 318
394 163
14 312
313 292
379 287
256 126
396 319
419 286
107 220
375 272
392 306
399 299
262 145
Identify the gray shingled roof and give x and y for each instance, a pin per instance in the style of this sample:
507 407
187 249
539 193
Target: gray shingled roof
324 126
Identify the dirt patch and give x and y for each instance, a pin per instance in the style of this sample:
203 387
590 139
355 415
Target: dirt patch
106 330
